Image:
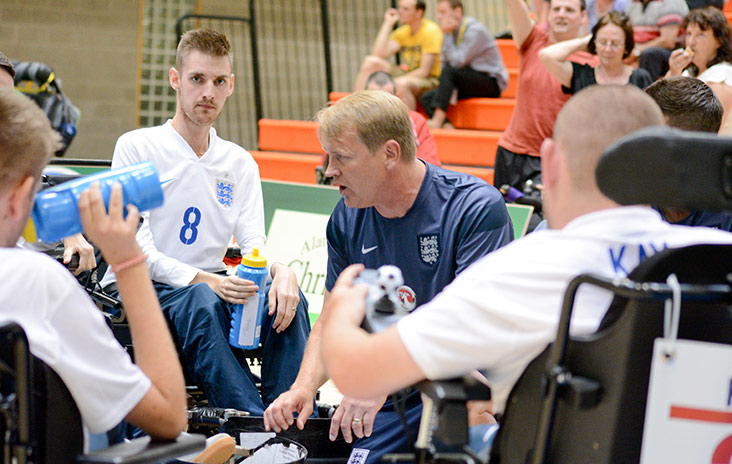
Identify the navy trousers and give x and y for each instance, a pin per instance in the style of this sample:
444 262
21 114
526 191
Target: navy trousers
469 82
199 321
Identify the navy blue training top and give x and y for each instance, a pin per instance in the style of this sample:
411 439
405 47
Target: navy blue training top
455 220
720 221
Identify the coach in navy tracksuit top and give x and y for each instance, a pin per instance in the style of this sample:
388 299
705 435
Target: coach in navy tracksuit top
430 222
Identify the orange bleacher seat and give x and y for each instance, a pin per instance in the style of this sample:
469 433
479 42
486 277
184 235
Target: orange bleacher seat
292 167
466 147
482 113
335 96
288 136
510 91
482 173
491 114
508 52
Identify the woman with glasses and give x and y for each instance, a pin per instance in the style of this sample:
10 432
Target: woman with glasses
612 41
707 56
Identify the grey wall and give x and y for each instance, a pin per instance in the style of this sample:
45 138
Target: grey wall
92 46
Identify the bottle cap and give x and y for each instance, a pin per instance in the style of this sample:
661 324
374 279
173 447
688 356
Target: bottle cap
29 233
254 260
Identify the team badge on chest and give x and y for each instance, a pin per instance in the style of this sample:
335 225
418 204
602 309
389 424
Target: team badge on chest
224 192
429 248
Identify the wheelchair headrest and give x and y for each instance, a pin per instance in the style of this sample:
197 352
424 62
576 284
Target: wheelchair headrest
670 168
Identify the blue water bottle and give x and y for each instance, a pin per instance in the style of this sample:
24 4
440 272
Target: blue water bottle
246 320
56 214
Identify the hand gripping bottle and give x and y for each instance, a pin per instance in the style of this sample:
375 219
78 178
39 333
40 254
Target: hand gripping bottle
246 320
56 214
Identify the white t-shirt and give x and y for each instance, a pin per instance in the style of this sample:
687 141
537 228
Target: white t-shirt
502 311
69 334
720 73
207 200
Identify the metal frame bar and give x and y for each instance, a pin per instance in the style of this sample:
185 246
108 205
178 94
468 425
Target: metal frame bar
627 288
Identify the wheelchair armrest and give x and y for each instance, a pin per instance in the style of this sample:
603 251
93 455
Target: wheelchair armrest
144 450
449 402
458 389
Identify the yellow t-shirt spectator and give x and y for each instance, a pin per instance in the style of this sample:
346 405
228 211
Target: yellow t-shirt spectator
428 39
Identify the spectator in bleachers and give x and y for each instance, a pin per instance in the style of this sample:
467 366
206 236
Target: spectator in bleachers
426 146
690 104
539 97
502 311
64 327
471 62
708 56
395 209
657 28
212 192
612 41
418 43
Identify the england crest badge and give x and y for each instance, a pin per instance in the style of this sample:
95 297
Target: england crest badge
224 192
429 248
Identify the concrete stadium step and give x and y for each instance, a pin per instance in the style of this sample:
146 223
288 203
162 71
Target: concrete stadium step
459 147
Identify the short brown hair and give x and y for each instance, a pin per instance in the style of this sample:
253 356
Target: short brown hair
625 109
376 116
206 41
27 139
687 103
623 22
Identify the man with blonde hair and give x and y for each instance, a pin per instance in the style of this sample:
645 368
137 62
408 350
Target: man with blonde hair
213 192
502 311
396 209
